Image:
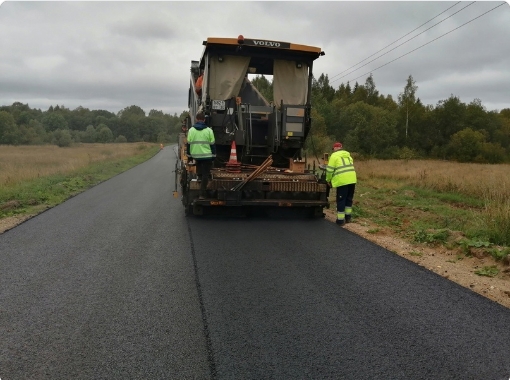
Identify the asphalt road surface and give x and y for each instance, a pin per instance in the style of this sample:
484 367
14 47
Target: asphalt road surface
116 283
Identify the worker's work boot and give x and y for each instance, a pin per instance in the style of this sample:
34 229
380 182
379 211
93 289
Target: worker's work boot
348 218
203 188
340 222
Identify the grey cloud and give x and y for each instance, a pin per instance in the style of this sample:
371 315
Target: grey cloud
144 29
123 53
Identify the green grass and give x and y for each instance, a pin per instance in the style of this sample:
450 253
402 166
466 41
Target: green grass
488 271
498 254
426 216
432 237
36 195
467 244
425 210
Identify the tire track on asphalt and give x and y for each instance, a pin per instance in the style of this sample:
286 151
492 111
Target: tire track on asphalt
207 335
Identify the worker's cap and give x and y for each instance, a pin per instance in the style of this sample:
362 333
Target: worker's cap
337 145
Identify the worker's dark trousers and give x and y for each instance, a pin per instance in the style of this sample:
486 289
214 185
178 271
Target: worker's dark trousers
203 171
344 197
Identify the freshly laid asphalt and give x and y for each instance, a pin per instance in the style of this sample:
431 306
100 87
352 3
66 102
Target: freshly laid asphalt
116 283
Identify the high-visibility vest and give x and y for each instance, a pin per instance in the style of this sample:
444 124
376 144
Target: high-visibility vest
340 170
201 143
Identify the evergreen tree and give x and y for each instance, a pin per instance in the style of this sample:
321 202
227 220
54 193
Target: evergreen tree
322 89
359 94
348 90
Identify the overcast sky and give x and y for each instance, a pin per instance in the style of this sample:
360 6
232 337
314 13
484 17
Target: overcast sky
110 55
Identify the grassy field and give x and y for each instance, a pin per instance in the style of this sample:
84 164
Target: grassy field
23 163
432 201
33 178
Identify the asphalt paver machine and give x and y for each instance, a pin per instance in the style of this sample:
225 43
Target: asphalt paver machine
259 161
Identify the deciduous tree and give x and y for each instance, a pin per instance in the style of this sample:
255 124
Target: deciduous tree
90 135
62 138
449 118
264 86
53 121
372 93
372 130
465 145
317 141
9 132
407 101
104 134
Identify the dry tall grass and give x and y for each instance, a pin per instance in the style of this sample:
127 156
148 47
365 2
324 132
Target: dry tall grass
23 163
476 180
490 183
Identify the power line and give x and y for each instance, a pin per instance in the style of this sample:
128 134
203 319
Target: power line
412 38
419 47
396 40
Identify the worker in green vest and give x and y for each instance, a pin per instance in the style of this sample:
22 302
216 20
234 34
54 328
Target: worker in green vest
200 146
341 175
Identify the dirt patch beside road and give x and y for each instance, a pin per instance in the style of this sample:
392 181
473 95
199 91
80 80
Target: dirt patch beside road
12 221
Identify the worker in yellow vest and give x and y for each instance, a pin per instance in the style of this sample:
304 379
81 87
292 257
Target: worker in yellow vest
340 174
200 146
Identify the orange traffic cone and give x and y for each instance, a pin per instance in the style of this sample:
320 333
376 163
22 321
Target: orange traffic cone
232 165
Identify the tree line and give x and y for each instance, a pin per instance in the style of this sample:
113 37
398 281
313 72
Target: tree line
374 125
365 121
22 125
